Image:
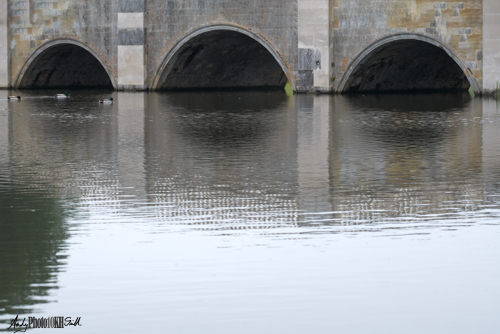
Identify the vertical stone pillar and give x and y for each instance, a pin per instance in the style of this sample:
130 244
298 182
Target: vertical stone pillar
491 45
131 49
4 44
314 46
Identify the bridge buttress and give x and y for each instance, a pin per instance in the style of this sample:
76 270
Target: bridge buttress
491 45
314 46
4 44
131 45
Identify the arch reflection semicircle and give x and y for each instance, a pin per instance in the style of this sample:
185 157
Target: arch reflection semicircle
64 63
407 62
222 56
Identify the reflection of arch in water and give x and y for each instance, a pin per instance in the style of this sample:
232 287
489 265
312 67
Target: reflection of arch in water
218 121
409 102
64 63
222 56
216 152
408 165
407 62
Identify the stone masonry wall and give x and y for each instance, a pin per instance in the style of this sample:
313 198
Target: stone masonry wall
354 25
95 23
358 23
35 22
169 21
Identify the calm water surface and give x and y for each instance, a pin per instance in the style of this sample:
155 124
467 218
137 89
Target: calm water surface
251 212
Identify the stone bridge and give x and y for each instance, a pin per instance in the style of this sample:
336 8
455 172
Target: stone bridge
316 45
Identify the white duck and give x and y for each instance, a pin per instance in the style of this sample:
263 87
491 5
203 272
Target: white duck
110 101
62 96
14 98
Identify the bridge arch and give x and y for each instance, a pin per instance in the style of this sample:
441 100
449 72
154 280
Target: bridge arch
407 62
64 63
222 56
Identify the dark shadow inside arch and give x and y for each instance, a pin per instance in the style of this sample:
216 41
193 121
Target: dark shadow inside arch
407 66
222 60
65 66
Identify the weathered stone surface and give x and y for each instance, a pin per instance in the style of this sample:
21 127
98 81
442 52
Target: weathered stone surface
95 24
130 6
309 59
131 69
131 50
271 21
130 20
36 22
131 36
314 34
316 43
305 80
458 25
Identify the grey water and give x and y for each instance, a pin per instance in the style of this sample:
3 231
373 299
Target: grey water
251 212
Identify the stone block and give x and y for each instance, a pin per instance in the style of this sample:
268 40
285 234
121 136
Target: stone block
130 20
130 6
305 80
131 70
309 59
491 45
133 36
492 26
491 6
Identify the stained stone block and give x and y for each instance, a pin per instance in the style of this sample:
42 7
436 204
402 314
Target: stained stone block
130 6
305 80
309 59
131 36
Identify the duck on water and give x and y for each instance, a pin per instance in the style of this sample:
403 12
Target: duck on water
110 101
14 98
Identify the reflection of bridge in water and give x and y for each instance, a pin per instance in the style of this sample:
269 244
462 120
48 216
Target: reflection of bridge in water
268 162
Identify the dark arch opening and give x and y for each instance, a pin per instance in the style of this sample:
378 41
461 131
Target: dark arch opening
407 65
65 66
222 59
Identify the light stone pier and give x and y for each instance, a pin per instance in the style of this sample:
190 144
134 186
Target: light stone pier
315 45
4 44
491 45
131 52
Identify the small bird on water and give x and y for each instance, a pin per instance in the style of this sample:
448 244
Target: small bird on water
62 96
110 101
14 97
